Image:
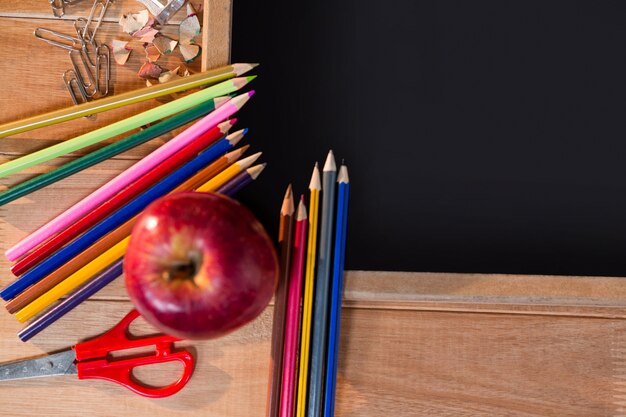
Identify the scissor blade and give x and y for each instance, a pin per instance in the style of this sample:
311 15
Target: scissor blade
61 363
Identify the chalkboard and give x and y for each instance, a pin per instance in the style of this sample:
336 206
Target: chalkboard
481 136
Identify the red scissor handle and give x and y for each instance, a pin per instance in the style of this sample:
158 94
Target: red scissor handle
92 361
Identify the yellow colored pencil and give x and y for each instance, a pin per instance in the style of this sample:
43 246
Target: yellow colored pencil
210 77
315 187
117 251
228 174
68 284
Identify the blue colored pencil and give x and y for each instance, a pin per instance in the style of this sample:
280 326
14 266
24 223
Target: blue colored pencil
322 285
81 243
99 281
337 287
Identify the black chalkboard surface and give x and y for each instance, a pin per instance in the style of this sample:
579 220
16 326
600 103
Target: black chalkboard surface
481 136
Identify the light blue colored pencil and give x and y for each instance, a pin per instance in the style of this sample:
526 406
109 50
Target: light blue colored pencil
322 284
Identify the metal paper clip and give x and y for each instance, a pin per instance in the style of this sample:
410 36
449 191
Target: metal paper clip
72 45
72 82
103 59
84 72
81 27
88 34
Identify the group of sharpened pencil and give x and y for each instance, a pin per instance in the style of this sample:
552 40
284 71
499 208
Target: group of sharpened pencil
81 250
307 305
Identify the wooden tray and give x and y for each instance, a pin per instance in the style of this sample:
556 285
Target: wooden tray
412 343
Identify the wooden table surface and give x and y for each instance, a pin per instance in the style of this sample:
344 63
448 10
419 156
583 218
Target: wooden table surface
412 344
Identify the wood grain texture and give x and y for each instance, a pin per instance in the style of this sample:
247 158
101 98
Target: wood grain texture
41 9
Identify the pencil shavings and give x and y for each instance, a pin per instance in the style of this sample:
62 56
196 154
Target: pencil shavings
189 28
164 44
152 53
150 70
121 51
146 34
133 22
169 75
189 52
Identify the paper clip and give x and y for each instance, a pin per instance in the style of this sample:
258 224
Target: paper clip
84 72
76 44
88 34
71 79
58 7
103 58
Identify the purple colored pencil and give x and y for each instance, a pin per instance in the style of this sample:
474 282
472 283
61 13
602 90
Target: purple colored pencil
99 281
241 180
104 277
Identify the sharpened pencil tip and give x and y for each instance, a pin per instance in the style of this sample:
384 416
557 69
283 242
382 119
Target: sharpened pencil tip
330 162
287 207
245 131
256 170
250 78
251 93
301 215
343 175
316 182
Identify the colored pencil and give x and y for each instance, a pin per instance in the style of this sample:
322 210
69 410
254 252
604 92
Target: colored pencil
102 279
241 180
47 283
123 126
285 239
315 187
118 200
109 151
73 281
116 219
228 174
343 195
85 109
70 267
109 189
322 284
292 324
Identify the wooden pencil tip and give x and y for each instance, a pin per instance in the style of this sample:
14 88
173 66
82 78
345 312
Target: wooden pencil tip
242 68
301 210
330 162
343 175
287 207
256 170
316 182
235 137
247 162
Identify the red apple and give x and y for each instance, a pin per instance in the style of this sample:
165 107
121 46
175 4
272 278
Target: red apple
199 265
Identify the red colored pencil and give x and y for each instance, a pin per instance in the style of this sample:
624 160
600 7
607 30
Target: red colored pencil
122 197
292 328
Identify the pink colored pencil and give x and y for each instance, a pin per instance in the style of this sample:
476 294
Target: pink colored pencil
111 188
292 327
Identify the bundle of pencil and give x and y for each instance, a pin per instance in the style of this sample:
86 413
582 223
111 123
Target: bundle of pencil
307 305
81 250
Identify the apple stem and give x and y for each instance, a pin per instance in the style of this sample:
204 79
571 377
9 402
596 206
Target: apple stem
181 270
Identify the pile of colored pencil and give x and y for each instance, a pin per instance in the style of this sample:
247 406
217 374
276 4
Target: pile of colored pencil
307 304
81 250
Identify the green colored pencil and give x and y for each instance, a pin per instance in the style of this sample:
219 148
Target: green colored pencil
123 126
205 78
108 151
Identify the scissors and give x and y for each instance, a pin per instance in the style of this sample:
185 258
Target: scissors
89 360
